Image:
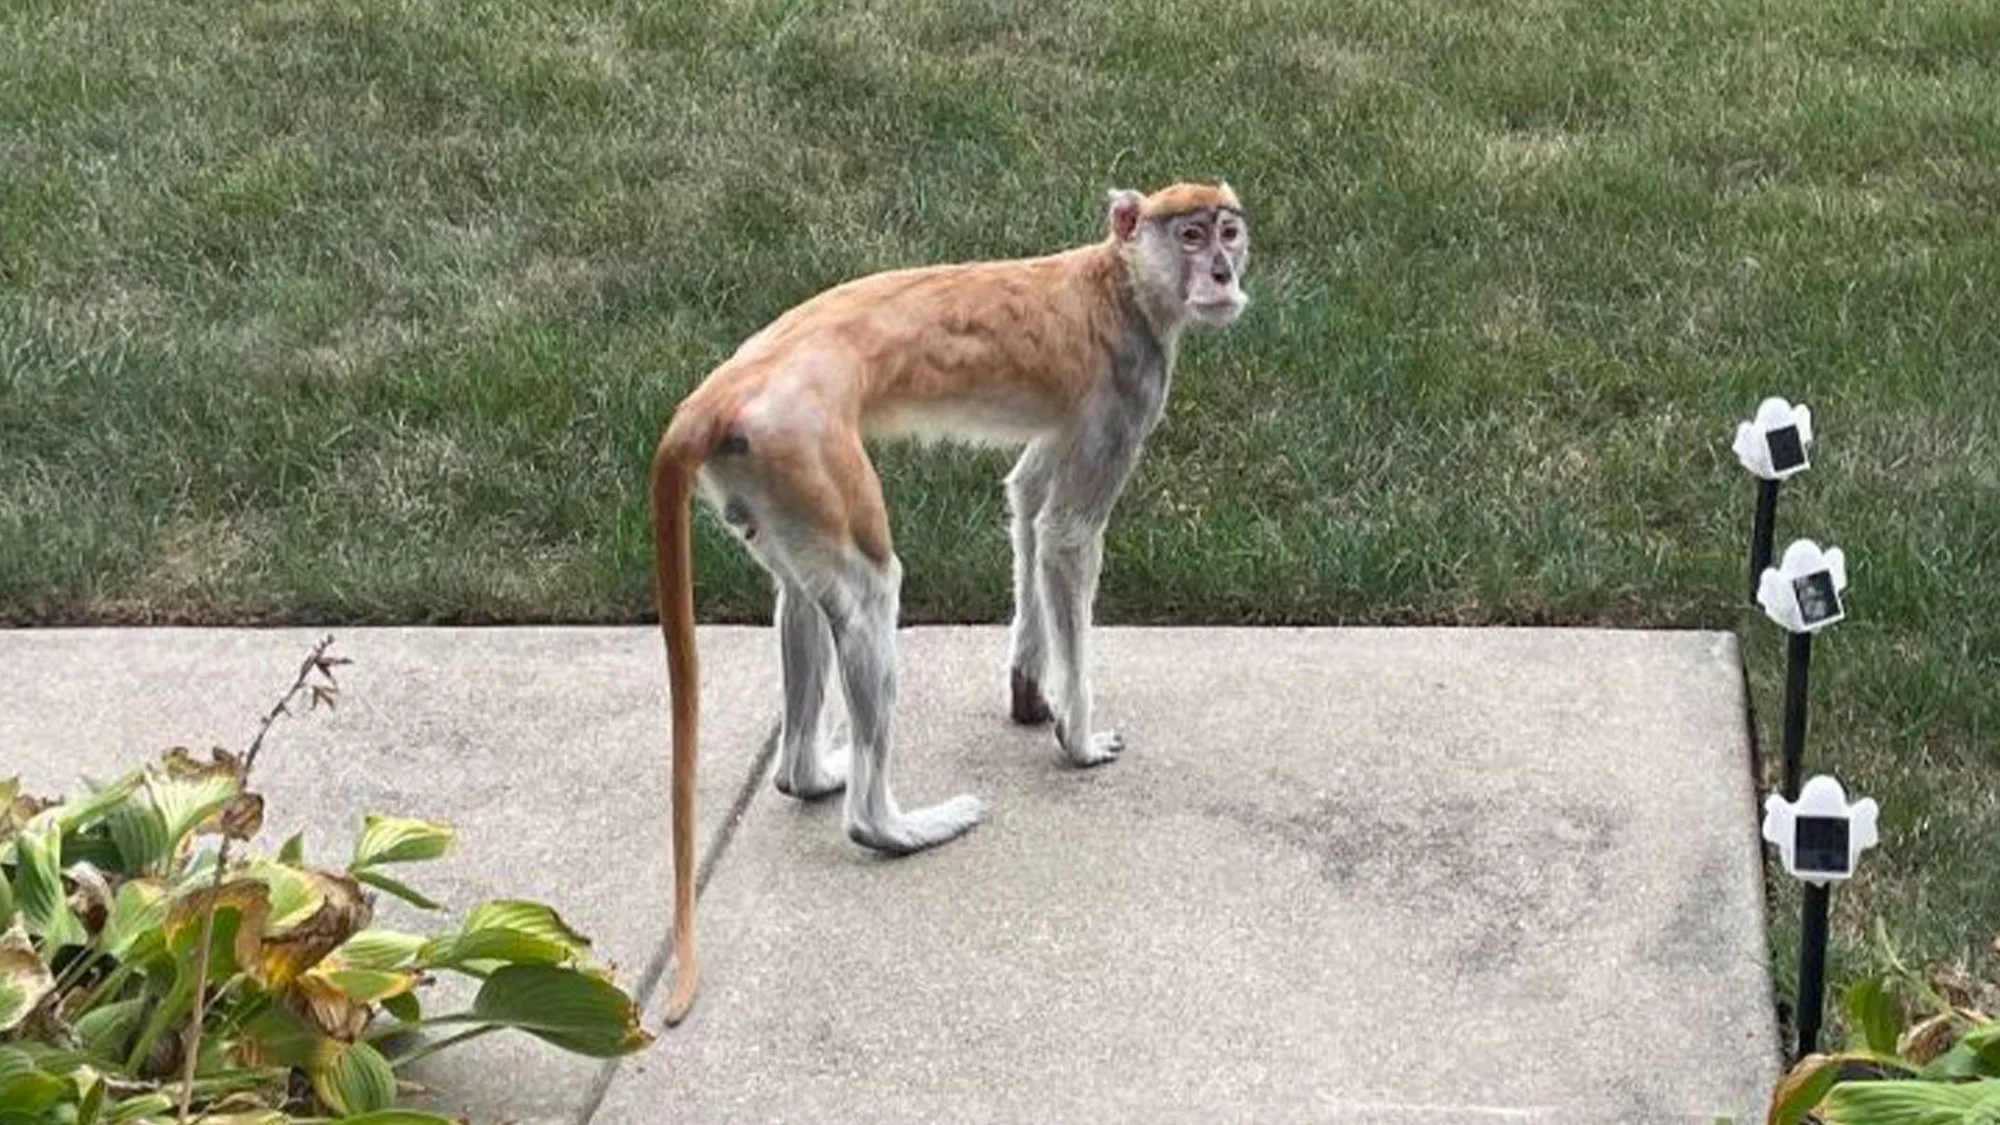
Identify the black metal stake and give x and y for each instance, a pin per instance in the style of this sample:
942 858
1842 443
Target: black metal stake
1760 533
1798 664
1812 910
1812 966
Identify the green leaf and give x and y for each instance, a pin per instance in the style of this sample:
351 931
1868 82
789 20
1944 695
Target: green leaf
397 839
14 1062
525 917
137 911
26 1091
381 949
1875 1016
7 910
353 1078
1913 1103
405 1007
77 815
573 1010
95 847
1959 1061
408 894
1984 1043
145 1105
106 1030
140 833
277 1036
90 1089
38 887
483 950
293 850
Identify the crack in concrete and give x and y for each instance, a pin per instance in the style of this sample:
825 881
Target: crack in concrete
663 958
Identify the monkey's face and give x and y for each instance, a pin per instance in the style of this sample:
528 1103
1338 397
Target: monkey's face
1210 248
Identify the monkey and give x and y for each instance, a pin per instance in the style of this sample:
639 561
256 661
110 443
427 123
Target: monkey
1067 357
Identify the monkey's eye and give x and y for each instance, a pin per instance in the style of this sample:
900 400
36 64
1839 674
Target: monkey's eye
1229 234
1192 236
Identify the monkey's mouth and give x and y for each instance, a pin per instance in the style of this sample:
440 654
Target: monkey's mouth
1222 310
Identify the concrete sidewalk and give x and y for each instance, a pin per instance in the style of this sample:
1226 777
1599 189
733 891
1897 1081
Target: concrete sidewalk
1339 875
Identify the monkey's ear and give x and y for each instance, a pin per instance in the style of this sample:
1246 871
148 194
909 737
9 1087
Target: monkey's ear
1126 207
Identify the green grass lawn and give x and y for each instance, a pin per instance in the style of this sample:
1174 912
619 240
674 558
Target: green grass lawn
370 310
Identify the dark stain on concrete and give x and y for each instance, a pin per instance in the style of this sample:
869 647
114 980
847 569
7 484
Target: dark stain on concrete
1464 862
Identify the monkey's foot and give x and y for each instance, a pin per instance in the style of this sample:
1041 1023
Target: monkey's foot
920 829
1031 707
1104 746
818 780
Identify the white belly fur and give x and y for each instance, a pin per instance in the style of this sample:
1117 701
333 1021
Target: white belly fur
970 422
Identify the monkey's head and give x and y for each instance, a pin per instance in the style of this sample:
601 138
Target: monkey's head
1186 246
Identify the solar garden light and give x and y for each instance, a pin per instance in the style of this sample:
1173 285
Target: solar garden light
1820 838
1803 594
1772 446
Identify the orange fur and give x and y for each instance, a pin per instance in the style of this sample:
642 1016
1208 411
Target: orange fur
1182 198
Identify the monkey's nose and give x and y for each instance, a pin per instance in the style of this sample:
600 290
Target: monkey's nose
1220 271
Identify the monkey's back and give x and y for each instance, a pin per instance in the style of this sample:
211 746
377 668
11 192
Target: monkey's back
985 351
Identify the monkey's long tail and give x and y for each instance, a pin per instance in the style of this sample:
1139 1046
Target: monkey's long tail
673 547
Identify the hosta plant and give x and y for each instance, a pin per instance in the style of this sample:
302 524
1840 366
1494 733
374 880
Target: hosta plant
1923 1050
149 974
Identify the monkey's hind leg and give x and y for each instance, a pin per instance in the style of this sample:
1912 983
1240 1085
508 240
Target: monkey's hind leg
1027 661
807 767
862 611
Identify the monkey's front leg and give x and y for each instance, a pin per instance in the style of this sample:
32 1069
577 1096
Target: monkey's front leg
1071 555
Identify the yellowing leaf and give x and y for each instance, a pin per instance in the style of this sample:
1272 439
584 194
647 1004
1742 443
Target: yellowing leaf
184 802
396 839
336 1014
1801 1089
367 986
343 912
296 892
530 918
353 1078
180 762
24 978
241 906
240 818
